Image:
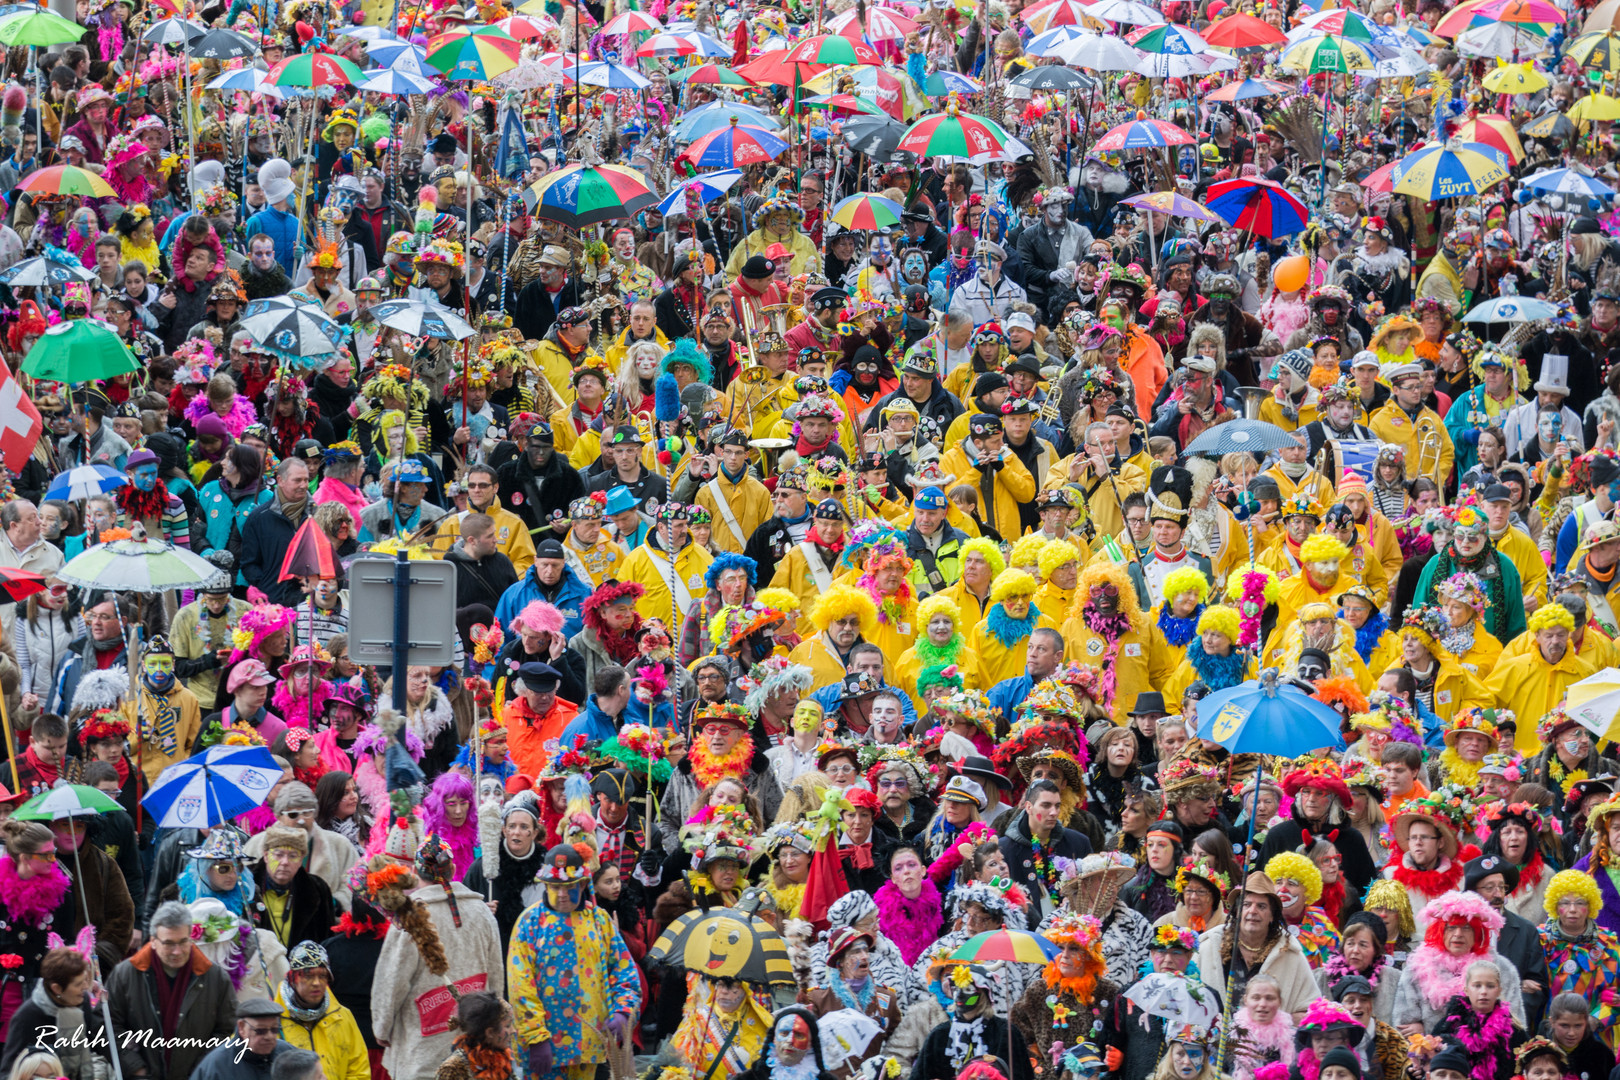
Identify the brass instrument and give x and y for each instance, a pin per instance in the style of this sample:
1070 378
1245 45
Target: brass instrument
1253 397
1428 439
768 451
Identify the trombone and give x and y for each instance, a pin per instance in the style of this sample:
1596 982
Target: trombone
1429 443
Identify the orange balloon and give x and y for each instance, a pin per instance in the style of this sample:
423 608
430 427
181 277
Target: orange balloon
1289 274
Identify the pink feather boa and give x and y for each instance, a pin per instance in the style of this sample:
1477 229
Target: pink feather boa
256 820
1282 317
33 900
1438 974
294 708
1487 1042
1258 1038
241 417
912 925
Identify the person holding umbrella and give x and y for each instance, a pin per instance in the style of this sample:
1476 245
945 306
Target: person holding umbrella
164 716
34 901
104 902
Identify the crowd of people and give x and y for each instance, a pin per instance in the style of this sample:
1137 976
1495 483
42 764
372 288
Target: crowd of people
828 594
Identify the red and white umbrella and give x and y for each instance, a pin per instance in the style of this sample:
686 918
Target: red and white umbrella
1050 13
632 22
882 24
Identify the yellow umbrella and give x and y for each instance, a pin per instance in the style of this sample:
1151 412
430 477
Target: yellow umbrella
1596 107
1595 703
1493 130
1515 79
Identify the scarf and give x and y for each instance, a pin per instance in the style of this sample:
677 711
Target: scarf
1370 634
295 707
289 999
912 925
487 1062
1459 639
1530 874
1276 1037
287 430
1431 883
33 900
141 505
931 655
1219 672
891 606
1459 771
621 645
1337 967
1177 630
857 999
1083 988
1008 630
1485 1038
965 1042
710 770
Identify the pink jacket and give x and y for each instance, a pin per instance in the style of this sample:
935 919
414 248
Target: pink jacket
331 490
332 755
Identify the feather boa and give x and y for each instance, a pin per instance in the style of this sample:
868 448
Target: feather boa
709 769
912 925
620 645
1219 672
1530 874
1332 901
1431 883
1438 974
1008 630
34 899
1262 1040
431 717
256 820
1371 632
1178 631
891 607
1337 968
141 505
1486 1040
241 417
294 707
932 655
1458 771
1309 1067
463 839
1283 316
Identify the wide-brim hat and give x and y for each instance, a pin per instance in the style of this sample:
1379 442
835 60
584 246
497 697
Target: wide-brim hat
973 765
1256 884
222 845
1402 825
1065 763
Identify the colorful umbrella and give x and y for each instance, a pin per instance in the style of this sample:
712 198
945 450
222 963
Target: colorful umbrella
1596 49
67 801
212 787
1053 13
583 195
1008 946
1553 125
1460 18
1521 11
39 27
734 146
632 22
309 554
405 76
1346 23
1168 39
83 481
867 213
882 24
17 584
688 44
770 68
1172 205
1242 31
612 76
478 53
314 69
847 103
143 566
1449 171
77 351
754 950
710 75
386 52
825 50
1328 52
716 115
1523 78
1381 178
248 80
893 91
1260 206
417 318
526 27
953 133
1143 133
1254 716
945 83
1567 182
1596 107
710 186
1494 131
1179 66
1248 88
1504 40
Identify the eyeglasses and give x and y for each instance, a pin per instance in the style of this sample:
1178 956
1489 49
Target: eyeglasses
478 486
226 868
43 856
893 783
264 1032
298 815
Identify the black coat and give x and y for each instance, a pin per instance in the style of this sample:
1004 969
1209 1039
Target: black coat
941 405
266 535
1018 849
1520 943
174 324
507 888
33 1024
311 912
539 493
230 1061
1359 869
536 313
480 581
354 962
334 402
934 1064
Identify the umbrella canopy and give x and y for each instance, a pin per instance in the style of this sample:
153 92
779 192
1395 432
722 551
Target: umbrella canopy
1178 66
212 787
867 212
710 186
44 270
1459 19
1521 78
1043 44
953 133
67 801
1328 52
309 554
734 146
1054 13
1240 436
221 44
291 329
724 943
1344 22
716 115
1521 11
249 80
710 75
1012 946
1511 309
882 24
143 566
1381 178
313 69
420 319
632 22
17 584
1176 999
1567 182
478 53
1495 131
1594 702
399 80
40 28
1243 31
894 92
612 76
1553 125
1595 49
1053 77
692 43
1247 89
1169 39
825 50
1098 52
1596 107
1142 133
583 195
174 31
1172 204
79 350
1503 40
1266 716
386 52
1124 11
1450 171
527 27
68 180
83 481
874 136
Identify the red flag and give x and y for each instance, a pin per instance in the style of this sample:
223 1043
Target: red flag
20 423
824 885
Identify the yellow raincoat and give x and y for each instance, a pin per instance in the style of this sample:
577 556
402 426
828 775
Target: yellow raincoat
1530 686
649 566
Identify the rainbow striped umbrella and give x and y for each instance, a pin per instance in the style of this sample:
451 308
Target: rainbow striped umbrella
1495 131
1248 88
1012 946
1264 208
1143 133
735 145
953 134
583 195
710 75
1521 11
1460 18
474 52
867 212
1450 170
314 69
68 180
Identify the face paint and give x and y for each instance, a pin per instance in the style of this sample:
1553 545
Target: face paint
807 716
146 477
159 671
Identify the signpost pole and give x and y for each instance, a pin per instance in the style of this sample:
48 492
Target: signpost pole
402 630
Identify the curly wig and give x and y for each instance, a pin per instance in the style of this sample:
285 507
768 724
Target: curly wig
609 592
1548 615
1341 690
1105 572
1389 894
1056 553
1026 550
842 601
730 560
1460 907
1296 867
1219 618
1319 547
1187 579
939 604
538 615
1572 883
988 550
1596 821
1011 583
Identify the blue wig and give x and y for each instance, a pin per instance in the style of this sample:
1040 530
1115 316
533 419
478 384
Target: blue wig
685 351
729 560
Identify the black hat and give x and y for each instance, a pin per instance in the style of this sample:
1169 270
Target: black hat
1345 1058
256 1006
916 213
1025 362
1582 226
758 267
822 299
539 677
920 362
1264 487
1498 493
1605 470
1318 654
1451 1058
573 316
1485 866
983 425
989 383
1119 408
973 765
626 434
549 549
541 433
443 143
732 437
1020 406
617 784
1351 984
870 460
1170 496
857 685
1374 923
1148 701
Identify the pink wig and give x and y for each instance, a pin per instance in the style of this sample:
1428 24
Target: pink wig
539 616
463 839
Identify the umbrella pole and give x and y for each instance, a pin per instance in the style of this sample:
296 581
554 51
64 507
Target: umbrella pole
1233 924
95 966
11 746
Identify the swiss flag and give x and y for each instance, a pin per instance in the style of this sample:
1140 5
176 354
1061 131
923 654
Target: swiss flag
20 423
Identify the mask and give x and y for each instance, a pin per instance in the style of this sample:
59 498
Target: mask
1053 213
1549 426
145 477
1330 314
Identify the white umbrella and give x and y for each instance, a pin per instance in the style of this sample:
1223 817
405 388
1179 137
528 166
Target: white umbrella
1594 702
1171 66
1511 309
1501 40
1125 11
1404 64
1046 43
404 76
137 565
1099 53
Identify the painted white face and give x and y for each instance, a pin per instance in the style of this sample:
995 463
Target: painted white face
646 365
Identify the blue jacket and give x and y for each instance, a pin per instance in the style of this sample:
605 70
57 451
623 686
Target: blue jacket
1006 694
281 227
220 510
827 696
571 593
596 725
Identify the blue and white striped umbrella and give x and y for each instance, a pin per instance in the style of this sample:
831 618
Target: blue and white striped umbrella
1045 43
212 787
249 80
419 319
612 76
710 185
1567 182
404 76
370 33
83 481
290 329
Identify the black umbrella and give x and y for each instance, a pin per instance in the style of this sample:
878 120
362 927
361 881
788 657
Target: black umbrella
1053 77
222 44
44 270
874 136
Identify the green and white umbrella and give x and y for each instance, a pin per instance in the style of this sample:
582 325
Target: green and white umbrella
79 350
137 565
66 801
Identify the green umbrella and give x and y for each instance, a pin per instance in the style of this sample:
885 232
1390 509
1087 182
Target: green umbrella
66 801
78 351
38 28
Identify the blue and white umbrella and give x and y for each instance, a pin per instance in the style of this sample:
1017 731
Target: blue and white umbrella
44 270
212 787
717 114
710 187
404 76
249 80
1511 309
420 319
370 33
1568 182
83 481
1240 436
386 52
1046 42
173 31
612 76
292 330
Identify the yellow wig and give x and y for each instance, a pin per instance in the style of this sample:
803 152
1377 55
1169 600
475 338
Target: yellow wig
1551 615
1221 619
1319 547
988 549
1316 611
1298 868
1185 580
783 600
388 422
1103 571
842 601
1390 895
1056 553
938 604
1572 883
1011 583
1027 550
